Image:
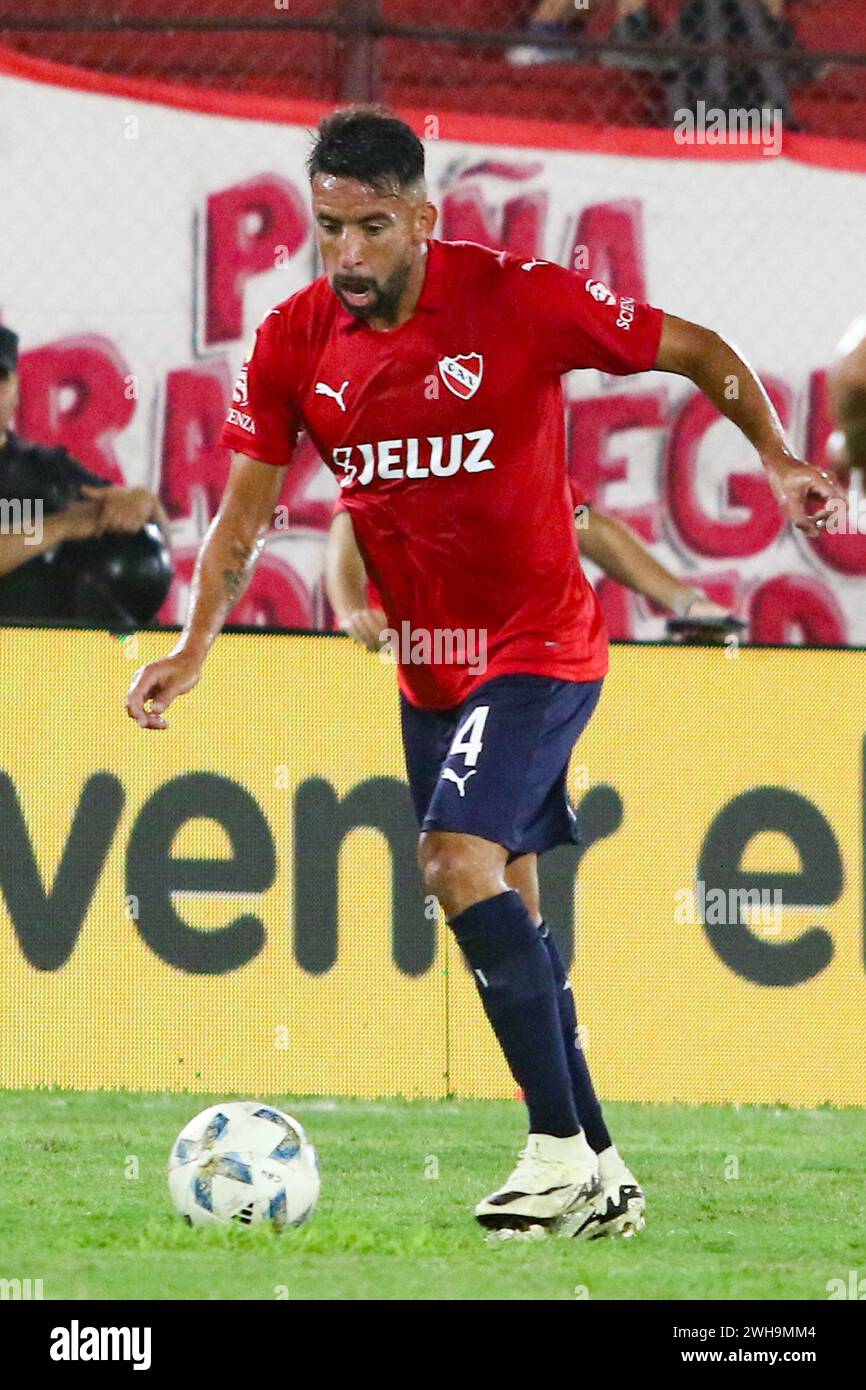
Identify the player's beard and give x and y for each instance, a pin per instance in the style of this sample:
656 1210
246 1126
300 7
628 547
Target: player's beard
385 299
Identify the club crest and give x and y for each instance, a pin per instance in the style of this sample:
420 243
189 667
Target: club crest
462 374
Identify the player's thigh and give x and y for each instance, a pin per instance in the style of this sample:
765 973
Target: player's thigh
504 776
426 736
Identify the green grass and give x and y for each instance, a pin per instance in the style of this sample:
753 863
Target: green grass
791 1221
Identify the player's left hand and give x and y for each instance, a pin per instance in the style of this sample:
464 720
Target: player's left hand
803 491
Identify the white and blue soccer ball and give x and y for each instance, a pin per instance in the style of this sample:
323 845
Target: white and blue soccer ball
244 1162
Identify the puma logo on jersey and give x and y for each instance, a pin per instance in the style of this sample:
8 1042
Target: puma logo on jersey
450 775
529 265
323 389
436 456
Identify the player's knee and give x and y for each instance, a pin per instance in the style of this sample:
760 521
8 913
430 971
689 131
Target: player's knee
449 867
441 868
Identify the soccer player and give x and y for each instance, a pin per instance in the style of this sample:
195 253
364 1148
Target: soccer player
427 374
621 554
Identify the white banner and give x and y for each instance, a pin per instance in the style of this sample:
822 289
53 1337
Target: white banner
140 244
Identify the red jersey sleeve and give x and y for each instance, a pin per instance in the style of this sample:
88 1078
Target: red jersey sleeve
263 421
576 322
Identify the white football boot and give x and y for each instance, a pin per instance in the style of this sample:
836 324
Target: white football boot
553 1176
617 1210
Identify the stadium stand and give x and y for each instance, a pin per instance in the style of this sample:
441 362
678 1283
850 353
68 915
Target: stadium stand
300 51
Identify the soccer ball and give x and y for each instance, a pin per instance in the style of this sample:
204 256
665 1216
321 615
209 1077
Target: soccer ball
246 1162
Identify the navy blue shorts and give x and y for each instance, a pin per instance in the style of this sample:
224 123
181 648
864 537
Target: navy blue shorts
496 765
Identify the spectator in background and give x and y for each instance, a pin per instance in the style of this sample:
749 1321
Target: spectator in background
634 22
719 82
731 83
88 550
552 19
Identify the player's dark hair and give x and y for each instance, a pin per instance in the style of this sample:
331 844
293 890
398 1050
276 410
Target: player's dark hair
370 144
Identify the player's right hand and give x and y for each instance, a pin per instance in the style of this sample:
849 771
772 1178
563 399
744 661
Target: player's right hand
365 626
156 685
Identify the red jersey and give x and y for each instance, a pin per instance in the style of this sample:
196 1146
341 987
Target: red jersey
373 598
447 437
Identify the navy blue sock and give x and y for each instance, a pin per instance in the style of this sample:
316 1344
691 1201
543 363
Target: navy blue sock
585 1100
515 980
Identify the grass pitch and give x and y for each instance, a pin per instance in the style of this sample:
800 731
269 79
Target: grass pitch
755 1203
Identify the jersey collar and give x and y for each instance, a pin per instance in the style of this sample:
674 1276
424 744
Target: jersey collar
429 298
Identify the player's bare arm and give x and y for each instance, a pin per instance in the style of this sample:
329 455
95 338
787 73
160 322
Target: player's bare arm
614 547
223 570
803 491
346 585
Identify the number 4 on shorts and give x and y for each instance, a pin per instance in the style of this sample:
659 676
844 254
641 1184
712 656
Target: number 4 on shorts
469 736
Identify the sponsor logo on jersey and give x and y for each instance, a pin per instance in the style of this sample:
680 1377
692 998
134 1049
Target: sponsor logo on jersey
462 374
243 422
323 389
626 313
600 292
450 775
437 456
